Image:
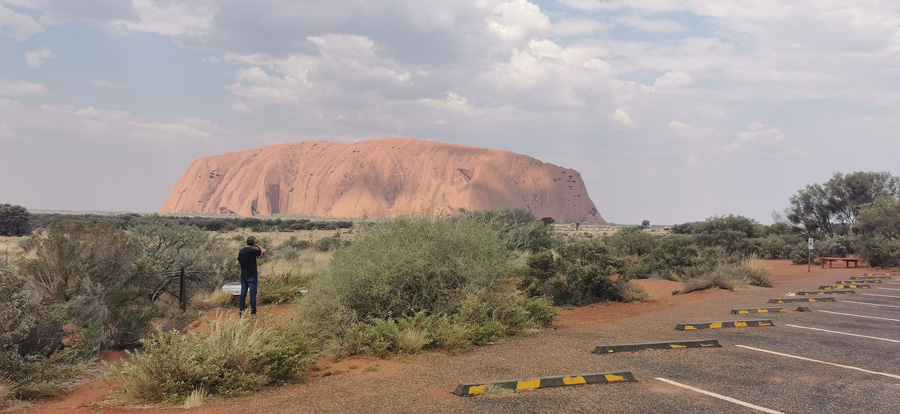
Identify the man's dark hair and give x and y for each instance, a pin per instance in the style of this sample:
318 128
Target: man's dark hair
251 241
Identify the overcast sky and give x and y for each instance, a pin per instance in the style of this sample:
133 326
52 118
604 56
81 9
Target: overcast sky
671 110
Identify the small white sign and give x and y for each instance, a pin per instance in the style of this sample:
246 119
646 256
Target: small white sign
233 288
810 243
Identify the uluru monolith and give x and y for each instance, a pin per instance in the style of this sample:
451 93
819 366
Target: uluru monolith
377 178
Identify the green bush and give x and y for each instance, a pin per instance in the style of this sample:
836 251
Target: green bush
410 284
718 278
776 246
578 273
878 233
519 229
836 246
14 220
406 266
235 357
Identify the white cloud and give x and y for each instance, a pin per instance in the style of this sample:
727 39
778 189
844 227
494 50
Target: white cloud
689 132
646 5
599 65
652 26
168 17
518 19
7 133
17 25
763 140
453 103
257 85
36 58
240 107
111 85
20 88
579 27
622 118
758 134
355 58
182 129
675 79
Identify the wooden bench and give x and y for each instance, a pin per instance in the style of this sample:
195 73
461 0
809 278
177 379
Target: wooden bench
830 260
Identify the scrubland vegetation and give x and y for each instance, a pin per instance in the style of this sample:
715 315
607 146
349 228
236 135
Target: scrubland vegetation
77 285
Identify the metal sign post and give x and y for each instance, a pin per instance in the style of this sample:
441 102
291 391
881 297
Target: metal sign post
809 255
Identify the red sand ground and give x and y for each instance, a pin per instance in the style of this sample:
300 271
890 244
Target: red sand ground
94 397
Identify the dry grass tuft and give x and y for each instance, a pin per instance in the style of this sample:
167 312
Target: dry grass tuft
6 394
216 299
754 272
633 292
412 341
196 399
715 279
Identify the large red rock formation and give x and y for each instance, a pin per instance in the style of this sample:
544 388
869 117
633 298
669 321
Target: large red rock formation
386 177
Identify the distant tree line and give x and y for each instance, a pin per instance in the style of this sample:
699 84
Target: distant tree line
220 224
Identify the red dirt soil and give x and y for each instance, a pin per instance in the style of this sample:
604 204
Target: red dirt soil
96 396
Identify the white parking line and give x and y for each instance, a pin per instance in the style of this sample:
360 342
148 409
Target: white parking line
884 296
843 333
719 396
887 288
871 304
821 362
860 316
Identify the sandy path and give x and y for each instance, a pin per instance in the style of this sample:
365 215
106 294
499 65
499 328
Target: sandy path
429 379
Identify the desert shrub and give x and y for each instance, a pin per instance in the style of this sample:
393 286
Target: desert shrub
577 273
295 243
752 271
6 394
878 250
492 316
775 246
14 220
632 292
442 284
631 241
836 246
18 314
482 318
327 244
235 357
878 232
167 247
718 278
216 299
405 266
519 229
274 293
671 255
84 272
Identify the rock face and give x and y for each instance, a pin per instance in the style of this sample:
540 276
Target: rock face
386 177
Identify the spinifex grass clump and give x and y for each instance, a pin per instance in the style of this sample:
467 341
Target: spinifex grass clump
235 357
410 284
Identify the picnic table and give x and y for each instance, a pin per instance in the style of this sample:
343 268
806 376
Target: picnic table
830 260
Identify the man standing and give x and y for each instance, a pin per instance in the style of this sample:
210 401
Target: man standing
249 276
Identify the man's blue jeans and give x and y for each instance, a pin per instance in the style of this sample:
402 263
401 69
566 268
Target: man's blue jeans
248 285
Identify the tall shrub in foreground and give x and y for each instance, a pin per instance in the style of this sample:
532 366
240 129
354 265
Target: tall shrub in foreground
236 357
413 275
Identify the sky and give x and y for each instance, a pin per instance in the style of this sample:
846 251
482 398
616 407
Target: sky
671 110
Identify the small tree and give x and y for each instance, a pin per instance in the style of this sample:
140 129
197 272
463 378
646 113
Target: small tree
167 247
878 232
832 207
14 220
